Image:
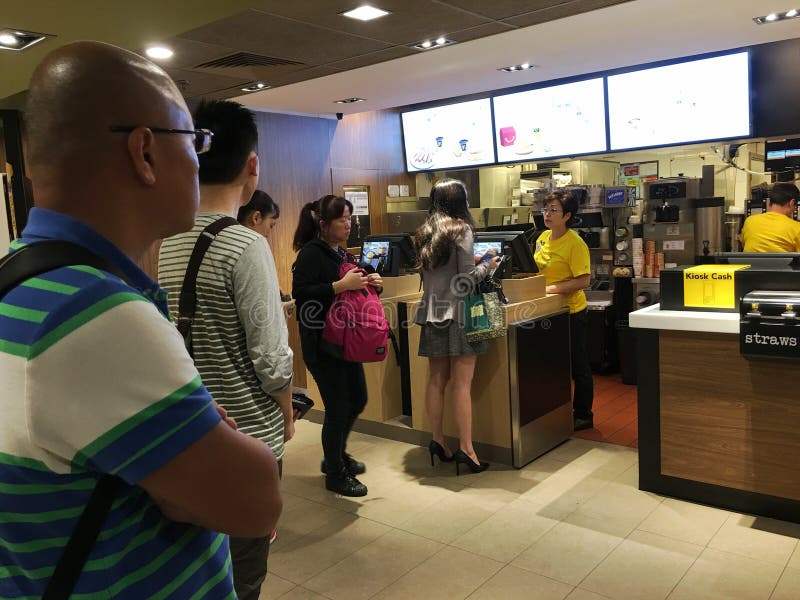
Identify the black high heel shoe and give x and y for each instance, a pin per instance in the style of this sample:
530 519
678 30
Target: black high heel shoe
436 449
462 459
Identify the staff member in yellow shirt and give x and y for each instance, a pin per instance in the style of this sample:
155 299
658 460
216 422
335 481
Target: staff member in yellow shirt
563 258
774 230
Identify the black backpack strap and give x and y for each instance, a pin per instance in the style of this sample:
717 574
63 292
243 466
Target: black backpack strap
16 268
41 257
80 544
396 347
187 303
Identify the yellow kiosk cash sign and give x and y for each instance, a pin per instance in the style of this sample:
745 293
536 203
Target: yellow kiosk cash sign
710 286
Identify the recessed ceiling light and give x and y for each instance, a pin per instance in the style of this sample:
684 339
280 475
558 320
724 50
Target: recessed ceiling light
365 13
256 87
775 17
523 67
349 100
18 40
428 45
159 52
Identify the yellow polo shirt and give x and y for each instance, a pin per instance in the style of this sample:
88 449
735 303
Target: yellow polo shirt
771 232
561 260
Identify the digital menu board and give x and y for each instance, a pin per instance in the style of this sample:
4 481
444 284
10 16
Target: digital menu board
560 120
706 99
446 137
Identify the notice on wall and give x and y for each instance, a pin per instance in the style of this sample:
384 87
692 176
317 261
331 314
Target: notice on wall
360 202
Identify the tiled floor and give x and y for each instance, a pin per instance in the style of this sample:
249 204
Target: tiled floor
570 525
616 420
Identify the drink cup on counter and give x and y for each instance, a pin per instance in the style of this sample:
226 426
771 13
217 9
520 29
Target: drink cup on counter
439 141
648 271
463 144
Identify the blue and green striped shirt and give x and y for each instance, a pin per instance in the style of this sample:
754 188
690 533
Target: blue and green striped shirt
96 380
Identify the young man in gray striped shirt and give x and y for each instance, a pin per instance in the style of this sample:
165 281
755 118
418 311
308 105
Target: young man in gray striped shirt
239 335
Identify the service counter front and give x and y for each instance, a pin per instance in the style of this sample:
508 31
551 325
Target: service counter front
714 426
521 391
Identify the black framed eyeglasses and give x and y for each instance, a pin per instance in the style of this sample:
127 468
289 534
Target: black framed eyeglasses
202 137
552 210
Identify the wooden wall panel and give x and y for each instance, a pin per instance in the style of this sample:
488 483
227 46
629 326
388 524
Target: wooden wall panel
726 420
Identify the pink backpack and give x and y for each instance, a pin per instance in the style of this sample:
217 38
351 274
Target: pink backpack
356 323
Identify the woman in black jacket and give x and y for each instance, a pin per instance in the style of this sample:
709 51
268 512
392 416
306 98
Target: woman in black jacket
324 226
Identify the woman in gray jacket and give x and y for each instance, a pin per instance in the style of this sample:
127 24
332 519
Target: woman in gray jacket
449 274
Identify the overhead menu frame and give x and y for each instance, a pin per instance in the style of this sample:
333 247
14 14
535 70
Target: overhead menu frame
551 122
449 137
692 101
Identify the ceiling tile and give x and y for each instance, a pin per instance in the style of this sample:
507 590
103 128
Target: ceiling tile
481 31
373 58
201 84
261 33
189 53
503 9
561 11
410 21
303 75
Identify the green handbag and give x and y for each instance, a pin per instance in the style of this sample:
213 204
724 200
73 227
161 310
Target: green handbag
484 318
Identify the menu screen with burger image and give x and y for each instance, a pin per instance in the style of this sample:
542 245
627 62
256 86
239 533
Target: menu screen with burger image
376 255
444 137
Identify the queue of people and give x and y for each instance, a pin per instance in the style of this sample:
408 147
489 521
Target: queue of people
151 418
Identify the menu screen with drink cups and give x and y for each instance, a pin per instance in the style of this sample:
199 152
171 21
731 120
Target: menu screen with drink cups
446 137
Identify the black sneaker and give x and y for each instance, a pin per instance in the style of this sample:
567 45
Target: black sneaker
345 485
581 423
354 467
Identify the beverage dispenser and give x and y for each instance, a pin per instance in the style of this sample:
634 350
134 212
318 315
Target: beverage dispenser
708 228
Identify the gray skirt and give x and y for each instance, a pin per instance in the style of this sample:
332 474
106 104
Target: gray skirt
448 338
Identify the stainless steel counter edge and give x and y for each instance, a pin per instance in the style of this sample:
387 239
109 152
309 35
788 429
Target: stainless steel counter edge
653 317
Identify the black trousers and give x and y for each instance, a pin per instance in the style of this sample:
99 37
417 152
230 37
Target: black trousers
249 557
581 368
344 393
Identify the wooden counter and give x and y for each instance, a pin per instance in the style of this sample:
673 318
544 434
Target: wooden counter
715 427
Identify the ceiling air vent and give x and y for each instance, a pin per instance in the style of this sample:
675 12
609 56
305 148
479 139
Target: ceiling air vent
246 59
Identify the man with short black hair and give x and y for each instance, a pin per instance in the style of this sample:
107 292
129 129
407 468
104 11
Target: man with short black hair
774 230
239 335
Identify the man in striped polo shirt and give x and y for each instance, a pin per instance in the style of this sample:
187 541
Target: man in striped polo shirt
239 335
95 380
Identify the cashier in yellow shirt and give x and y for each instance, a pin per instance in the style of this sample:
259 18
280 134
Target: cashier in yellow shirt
774 230
563 258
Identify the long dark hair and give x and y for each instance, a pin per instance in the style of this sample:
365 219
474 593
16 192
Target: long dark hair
448 221
261 202
326 209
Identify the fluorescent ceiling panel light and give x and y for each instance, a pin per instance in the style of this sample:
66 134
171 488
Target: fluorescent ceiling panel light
159 52
256 87
365 13
776 17
429 45
514 68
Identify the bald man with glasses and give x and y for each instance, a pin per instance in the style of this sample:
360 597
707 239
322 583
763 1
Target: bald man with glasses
100 398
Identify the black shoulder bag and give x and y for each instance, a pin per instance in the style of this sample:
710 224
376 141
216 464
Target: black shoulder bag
16 268
187 304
